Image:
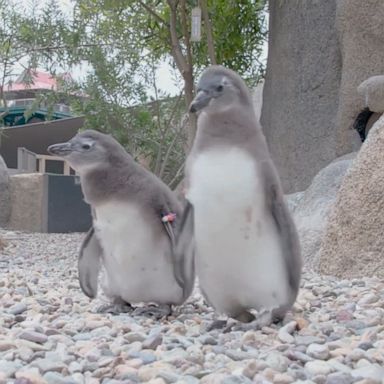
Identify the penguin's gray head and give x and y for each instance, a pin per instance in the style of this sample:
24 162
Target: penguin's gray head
218 88
86 150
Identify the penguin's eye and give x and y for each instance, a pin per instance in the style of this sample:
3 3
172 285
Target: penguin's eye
86 147
219 88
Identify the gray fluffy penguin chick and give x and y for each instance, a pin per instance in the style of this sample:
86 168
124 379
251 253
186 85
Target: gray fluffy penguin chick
247 252
129 236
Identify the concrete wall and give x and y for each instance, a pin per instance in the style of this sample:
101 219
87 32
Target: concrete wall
29 194
48 203
5 199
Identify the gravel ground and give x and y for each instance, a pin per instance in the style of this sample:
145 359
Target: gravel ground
50 332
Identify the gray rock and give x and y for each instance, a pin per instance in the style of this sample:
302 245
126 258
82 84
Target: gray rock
318 351
46 365
236 380
319 379
307 340
285 332
186 379
153 341
17 309
299 356
168 377
75 366
339 378
22 380
33 336
174 354
239 355
134 336
365 346
147 357
207 340
25 354
277 361
318 367
57 378
82 336
371 371
9 368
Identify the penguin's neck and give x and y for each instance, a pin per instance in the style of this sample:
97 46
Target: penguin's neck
233 127
105 182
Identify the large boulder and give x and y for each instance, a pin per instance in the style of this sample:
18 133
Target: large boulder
301 89
353 242
5 199
311 208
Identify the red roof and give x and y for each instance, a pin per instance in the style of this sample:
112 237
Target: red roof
40 80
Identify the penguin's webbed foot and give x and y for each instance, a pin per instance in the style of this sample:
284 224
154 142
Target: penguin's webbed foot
251 323
116 307
216 324
158 312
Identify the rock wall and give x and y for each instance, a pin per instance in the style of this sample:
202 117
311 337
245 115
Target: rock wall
353 243
301 89
319 53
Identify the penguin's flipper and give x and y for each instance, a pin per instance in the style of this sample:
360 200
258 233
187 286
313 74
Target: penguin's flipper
89 264
285 226
184 251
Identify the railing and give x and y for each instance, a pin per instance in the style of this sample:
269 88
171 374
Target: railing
26 160
30 162
59 107
42 159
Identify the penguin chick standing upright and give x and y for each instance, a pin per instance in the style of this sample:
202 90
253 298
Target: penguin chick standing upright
130 234
247 251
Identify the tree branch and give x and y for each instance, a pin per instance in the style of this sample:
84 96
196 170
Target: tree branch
170 147
208 30
177 53
153 13
177 175
184 24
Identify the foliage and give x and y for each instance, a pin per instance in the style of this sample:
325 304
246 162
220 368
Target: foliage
152 131
29 37
121 43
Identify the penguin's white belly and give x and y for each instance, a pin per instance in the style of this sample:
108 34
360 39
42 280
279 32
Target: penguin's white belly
138 264
239 259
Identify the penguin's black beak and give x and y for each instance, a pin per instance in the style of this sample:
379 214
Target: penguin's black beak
61 149
200 101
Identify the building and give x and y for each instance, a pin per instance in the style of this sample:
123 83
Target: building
46 194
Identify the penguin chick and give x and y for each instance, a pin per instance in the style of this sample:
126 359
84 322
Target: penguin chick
131 236
247 250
